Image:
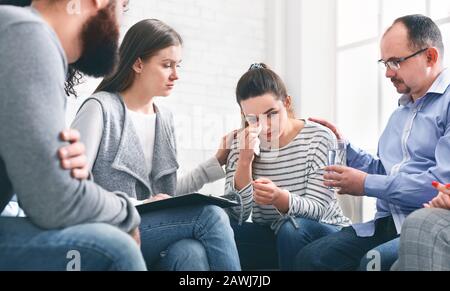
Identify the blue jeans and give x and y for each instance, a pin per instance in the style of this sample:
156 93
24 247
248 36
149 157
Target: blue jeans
183 255
344 250
86 247
259 248
291 240
165 235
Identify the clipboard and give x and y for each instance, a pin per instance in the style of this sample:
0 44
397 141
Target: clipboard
186 200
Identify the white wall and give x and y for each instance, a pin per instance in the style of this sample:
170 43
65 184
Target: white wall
222 38
318 59
303 52
308 48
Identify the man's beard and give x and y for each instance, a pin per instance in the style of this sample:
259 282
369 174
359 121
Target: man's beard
399 82
100 39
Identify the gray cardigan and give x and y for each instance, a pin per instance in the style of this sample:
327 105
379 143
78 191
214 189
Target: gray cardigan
117 156
119 163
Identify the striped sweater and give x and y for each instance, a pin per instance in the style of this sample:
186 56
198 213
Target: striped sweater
297 168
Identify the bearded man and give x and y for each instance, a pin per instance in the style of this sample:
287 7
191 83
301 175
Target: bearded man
71 224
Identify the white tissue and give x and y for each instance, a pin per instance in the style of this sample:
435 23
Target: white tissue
257 147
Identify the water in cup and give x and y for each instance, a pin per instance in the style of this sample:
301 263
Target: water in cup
337 154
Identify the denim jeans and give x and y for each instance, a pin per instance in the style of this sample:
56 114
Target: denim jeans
344 250
290 240
183 255
259 247
86 247
165 235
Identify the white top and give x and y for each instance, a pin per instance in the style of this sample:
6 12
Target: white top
89 121
144 124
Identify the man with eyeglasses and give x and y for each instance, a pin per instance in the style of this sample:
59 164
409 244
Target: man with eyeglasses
413 151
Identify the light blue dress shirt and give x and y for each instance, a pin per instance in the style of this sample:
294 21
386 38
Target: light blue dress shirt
413 151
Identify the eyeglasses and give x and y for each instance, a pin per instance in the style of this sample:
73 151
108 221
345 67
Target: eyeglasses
394 63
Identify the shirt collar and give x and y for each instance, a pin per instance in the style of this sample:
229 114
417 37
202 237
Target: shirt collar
439 86
404 100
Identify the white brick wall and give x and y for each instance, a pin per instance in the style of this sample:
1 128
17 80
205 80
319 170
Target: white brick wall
222 38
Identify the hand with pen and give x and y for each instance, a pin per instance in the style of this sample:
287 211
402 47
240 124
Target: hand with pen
442 200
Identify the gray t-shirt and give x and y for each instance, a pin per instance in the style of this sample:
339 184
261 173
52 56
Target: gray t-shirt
33 67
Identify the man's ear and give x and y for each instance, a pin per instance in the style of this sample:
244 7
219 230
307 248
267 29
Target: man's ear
138 66
432 56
